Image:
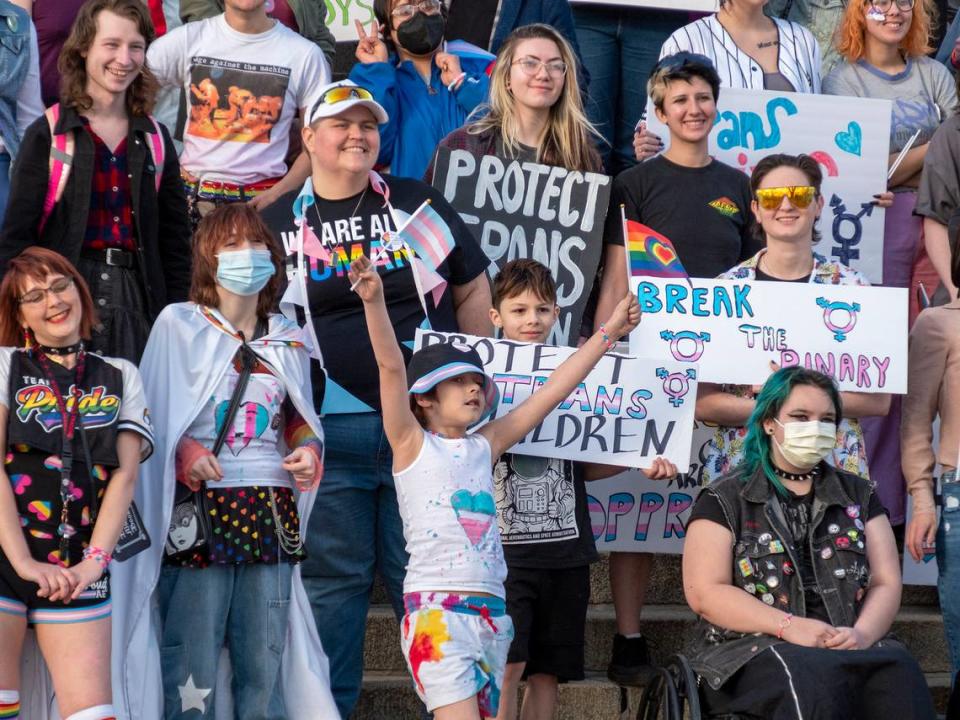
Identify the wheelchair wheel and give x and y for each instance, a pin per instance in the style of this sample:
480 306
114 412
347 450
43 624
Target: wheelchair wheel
660 699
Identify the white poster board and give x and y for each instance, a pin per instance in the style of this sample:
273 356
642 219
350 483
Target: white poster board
848 136
630 513
342 13
704 6
733 328
626 412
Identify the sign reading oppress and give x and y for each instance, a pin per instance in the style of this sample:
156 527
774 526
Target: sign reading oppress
520 209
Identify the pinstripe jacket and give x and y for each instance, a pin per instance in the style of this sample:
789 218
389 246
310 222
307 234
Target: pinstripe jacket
799 57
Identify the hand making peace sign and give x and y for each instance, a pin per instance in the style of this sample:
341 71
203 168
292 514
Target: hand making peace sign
371 48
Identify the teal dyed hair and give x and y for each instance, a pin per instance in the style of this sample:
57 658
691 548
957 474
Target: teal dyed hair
773 395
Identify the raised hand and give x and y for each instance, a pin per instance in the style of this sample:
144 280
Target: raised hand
645 143
624 318
371 48
449 67
662 469
365 281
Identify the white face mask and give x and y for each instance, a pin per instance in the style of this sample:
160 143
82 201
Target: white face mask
806 443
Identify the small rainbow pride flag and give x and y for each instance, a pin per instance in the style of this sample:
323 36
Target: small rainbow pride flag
648 252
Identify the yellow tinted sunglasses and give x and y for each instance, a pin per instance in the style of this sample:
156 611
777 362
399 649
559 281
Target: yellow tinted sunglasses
800 196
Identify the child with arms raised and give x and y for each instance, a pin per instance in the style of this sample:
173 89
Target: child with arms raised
544 524
456 632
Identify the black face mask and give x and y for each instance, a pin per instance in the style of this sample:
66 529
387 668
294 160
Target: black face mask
421 34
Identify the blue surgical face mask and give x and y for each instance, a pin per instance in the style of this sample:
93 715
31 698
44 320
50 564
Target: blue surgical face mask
244 272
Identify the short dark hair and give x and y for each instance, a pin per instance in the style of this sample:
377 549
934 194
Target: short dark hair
681 66
520 275
804 163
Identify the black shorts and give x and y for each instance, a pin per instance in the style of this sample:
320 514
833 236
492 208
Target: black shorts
19 597
549 612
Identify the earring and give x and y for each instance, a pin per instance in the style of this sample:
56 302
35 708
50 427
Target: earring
27 341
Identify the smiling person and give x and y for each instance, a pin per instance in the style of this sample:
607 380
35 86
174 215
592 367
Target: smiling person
426 91
787 205
535 111
97 180
788 560
74 427
703 207
884 46
357 529
227 497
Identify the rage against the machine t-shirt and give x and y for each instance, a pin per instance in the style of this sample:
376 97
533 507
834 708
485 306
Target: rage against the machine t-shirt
349 228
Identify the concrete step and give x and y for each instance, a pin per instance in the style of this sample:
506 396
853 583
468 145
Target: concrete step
390 696
666 586
669 629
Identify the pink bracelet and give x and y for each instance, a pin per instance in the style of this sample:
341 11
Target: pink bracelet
784 624
98 555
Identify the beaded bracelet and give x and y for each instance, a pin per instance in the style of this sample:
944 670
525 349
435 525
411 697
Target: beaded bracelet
785 622
98 555
606 338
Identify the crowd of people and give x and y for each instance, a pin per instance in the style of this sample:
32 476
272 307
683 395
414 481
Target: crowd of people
216 429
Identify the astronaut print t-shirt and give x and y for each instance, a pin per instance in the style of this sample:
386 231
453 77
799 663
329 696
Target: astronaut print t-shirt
542 512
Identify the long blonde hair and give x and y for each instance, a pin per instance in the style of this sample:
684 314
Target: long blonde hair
567 141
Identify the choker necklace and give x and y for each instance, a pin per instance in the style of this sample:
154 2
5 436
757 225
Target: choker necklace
60 351
811 474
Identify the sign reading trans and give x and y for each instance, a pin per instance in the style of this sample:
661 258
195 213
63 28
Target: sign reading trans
732 329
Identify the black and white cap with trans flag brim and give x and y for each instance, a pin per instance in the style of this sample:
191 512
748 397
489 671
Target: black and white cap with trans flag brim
432 365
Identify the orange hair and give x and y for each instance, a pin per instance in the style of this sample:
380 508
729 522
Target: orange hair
851 43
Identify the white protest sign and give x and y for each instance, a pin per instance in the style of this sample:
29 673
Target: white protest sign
631 513
341 15
733 328
848 136
626 412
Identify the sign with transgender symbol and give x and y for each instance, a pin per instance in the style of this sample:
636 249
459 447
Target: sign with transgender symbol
848 136
732 329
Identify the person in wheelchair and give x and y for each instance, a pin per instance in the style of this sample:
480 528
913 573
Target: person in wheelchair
793 568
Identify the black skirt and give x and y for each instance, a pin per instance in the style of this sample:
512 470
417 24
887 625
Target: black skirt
791 682
120 301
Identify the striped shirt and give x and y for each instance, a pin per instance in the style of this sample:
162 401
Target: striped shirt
798 60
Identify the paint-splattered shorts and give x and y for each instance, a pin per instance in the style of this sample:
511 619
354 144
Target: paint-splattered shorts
456 647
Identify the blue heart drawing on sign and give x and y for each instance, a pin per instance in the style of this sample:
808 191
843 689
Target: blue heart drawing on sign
850 140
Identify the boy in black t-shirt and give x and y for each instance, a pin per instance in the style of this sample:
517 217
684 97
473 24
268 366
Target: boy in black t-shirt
544 523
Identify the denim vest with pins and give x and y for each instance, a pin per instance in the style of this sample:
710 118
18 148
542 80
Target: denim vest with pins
14 62
765 559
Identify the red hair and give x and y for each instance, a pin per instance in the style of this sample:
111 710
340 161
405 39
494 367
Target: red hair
36 263
851 34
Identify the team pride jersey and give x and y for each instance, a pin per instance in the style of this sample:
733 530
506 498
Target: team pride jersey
352 227
450 517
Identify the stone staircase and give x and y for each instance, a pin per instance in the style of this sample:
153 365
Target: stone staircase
388 692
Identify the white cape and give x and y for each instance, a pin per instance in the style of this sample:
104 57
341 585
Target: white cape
185 358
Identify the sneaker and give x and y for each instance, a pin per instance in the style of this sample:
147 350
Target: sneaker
630 662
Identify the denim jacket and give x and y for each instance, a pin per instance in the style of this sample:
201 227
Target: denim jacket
14 63
765 559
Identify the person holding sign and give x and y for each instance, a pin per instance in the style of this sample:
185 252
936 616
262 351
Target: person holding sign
456 632
535 109
74 428
789 561
787 205
752 50
884 49
345 211
426 91
544 524
702 207
934 382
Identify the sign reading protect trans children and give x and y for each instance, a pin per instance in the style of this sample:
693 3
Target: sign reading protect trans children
732 329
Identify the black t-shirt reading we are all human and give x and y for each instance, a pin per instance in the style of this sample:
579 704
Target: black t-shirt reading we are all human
349 228
705 212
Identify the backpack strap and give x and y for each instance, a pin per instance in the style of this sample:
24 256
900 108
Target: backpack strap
61 160
157 150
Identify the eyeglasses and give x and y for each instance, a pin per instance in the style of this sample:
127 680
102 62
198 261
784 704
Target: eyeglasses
57 287
681 59
408 10
800 196
885 5
531 66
